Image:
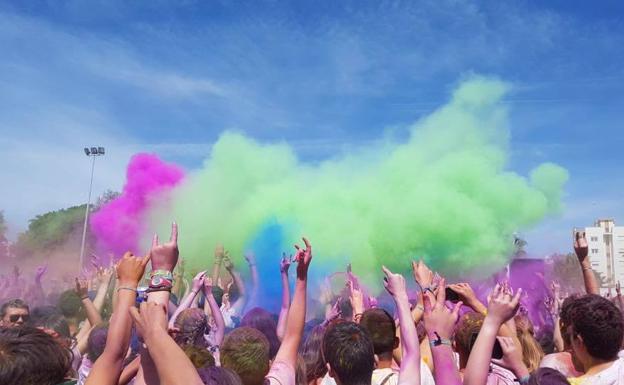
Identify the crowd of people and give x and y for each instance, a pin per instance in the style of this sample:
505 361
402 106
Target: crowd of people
137 323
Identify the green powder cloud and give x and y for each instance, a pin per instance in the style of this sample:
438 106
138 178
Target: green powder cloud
444 194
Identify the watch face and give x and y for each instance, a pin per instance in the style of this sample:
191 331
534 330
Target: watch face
157 281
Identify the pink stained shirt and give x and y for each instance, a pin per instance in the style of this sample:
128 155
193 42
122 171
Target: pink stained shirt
281 373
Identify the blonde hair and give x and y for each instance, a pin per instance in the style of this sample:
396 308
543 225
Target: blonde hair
532 352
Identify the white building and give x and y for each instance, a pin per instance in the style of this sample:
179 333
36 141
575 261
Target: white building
606 252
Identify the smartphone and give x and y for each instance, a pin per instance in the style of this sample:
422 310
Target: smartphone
497 350
451 295
141 294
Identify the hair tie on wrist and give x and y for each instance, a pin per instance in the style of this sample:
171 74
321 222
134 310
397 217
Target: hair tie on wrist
126 288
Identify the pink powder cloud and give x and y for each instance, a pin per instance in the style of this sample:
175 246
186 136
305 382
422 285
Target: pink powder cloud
118 225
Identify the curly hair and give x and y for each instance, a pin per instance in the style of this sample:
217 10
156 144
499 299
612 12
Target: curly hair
599 323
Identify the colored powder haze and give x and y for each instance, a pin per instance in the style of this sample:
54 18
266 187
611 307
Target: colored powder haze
119 224
443 194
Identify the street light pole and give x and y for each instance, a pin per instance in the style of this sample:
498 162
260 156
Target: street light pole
92 152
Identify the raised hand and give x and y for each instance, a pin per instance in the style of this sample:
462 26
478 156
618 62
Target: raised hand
394 284
334 312
219 253
512 357
151 320
250 257
502 304
207 285
81 288
198 281
165 256
422 274
580 246
130 269
439 320
227 262
40 272
285 263
466 294
356 298
303 258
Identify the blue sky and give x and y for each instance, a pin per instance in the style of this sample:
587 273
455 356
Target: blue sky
168 77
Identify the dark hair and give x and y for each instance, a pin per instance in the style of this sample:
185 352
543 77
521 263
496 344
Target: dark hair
43 311
216 375
311 354
14 303
234 292
55 322
246 351
70 304
599 323
199 356
547 376
348 349
217 293
381 327
262 320
97 342
346 310
30 356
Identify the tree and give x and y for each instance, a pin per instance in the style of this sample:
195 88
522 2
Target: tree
103 199
50 232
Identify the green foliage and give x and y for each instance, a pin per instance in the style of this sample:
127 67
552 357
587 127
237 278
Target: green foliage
48 232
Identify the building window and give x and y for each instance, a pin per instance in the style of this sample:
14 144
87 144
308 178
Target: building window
594 251
594 239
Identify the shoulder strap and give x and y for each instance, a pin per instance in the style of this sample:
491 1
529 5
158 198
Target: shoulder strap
387 378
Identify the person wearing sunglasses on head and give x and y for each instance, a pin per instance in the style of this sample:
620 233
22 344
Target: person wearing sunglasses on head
14 313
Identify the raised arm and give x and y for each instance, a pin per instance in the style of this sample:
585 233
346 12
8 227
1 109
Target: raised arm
440 324
281 321
104 278
356 298
108 367
198 283
618 296
250 257
409 373
241 301
216 267
287 352
172 365
217 316
581 249
164 259
93 315
501 307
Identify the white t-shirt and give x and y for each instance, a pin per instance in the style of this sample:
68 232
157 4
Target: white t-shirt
426 377
613 375
379 375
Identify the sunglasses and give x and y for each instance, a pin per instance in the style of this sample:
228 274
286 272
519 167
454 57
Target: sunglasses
15 317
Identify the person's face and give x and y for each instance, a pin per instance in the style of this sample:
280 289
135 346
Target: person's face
15 317
578 351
